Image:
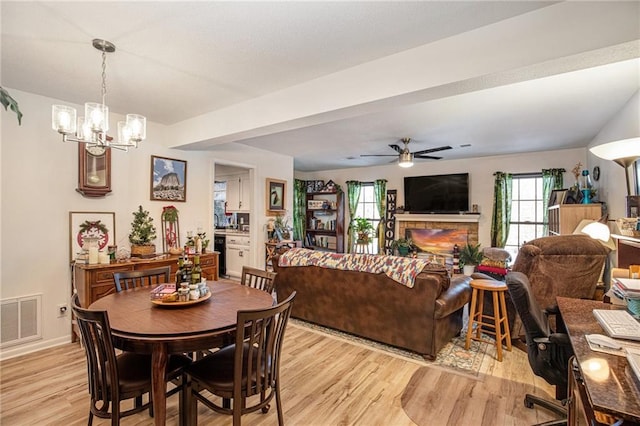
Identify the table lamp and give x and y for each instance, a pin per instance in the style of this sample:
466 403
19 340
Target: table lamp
624 152
598 230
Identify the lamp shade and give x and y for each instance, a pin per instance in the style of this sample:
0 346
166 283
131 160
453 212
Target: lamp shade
623 152
596 230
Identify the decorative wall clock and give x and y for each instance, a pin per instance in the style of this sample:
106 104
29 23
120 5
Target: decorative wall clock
94 170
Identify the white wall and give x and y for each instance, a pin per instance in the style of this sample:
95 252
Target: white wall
38 182
480 176
625 124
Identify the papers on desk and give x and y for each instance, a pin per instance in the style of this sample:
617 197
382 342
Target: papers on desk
626 288
627 347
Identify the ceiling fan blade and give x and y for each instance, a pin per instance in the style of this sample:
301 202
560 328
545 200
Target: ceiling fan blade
378 155
427 157
426 151
396 147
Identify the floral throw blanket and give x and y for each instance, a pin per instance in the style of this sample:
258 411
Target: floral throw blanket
401 269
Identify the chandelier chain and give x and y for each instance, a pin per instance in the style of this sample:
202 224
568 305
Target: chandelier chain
104 77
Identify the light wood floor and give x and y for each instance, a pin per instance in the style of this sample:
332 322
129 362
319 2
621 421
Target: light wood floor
325 381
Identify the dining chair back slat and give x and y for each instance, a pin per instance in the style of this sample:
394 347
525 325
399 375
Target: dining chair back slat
143 278
257 278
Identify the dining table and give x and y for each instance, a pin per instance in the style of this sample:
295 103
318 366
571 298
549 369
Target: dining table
142 326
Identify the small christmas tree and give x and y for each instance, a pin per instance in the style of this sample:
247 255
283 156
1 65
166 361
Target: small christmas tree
142 230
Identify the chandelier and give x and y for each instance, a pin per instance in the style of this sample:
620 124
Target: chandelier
92 128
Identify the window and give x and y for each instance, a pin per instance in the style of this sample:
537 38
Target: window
527 214
367 209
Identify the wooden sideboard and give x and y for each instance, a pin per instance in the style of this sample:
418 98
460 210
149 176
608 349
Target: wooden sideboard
96 281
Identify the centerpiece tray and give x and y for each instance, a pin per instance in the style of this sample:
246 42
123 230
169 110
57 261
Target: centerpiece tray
159 302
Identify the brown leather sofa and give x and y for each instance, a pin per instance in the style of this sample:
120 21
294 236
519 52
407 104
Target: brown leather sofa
421 319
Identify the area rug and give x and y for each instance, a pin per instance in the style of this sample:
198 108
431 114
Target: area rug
452 356
436 397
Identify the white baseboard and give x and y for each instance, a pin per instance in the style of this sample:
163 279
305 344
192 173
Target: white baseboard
39 345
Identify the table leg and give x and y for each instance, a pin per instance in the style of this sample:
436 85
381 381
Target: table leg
159 359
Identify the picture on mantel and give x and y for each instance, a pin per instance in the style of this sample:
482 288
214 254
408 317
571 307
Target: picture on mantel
438 242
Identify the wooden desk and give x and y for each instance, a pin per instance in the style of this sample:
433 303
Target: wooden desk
614 393
139 326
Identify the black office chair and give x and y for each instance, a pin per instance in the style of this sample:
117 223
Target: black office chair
548 351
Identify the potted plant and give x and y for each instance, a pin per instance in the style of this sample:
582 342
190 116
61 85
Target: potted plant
142 235
470 257
363 229
402 245
281 227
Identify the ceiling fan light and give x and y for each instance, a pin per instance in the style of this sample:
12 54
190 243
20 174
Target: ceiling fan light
405 159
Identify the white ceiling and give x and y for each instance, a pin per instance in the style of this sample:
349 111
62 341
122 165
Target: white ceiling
179 62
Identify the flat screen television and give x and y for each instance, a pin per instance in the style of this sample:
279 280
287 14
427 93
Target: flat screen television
437 194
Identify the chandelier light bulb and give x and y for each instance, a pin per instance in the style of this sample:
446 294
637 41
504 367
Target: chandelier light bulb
63 119
138 127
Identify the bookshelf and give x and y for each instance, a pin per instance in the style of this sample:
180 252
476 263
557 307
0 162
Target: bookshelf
325 221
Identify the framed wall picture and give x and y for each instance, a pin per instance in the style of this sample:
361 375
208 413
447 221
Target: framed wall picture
275 196
168 179
101 225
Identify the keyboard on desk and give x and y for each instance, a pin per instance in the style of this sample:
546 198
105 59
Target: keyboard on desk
618 324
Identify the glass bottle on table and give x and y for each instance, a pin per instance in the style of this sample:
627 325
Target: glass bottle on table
196 272
179 272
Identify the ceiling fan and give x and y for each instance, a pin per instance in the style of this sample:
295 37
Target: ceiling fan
405 157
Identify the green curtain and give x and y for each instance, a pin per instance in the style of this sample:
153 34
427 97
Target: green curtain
299 209
353 196
501 217
380 191
551 179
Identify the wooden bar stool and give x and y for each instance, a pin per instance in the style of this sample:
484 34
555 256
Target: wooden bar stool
476 315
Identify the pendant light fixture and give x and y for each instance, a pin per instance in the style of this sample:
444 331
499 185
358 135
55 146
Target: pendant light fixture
92 128
405 159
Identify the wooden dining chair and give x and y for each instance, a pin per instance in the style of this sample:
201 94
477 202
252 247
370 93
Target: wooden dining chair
143 278
257 278
236 374
131 371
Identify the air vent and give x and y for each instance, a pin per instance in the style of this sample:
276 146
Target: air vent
20 318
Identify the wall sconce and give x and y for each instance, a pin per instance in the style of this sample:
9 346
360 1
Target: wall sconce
624 152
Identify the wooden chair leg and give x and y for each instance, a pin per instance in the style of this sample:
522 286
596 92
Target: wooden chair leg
472 311
498 327
480 313
505 319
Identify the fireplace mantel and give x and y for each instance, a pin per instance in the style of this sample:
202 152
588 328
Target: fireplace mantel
407 217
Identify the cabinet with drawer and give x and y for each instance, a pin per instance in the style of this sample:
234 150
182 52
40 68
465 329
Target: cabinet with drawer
96 281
